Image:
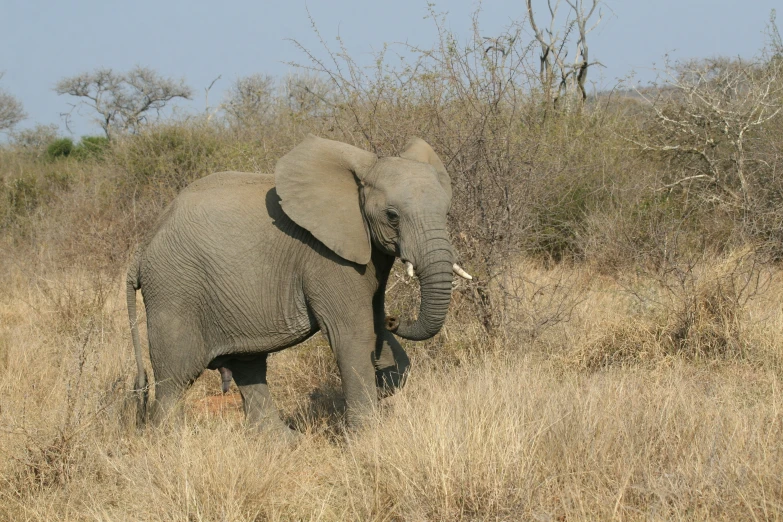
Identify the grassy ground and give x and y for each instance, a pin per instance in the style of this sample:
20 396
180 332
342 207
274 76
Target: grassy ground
563 426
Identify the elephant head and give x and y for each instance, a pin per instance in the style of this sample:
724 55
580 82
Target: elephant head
352 201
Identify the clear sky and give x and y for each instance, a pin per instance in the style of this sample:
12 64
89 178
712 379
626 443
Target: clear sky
43 41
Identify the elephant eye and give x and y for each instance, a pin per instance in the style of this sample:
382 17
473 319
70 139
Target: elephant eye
392 216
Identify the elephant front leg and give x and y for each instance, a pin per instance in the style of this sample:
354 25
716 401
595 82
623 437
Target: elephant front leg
391 363
260 411
354 351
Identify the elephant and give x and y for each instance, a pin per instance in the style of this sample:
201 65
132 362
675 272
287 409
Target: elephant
241 265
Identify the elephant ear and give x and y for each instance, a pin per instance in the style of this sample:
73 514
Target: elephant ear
419 150
318 185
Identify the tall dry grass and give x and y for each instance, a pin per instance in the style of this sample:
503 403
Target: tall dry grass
528 432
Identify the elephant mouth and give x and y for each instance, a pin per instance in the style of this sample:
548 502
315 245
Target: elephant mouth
411 270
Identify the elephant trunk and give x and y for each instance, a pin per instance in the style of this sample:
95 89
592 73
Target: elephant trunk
435 277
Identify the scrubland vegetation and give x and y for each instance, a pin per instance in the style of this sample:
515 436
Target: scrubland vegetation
619 354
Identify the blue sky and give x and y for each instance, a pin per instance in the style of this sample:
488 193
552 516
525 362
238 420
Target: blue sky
42 42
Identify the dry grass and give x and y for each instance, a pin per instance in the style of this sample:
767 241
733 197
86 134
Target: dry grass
521 432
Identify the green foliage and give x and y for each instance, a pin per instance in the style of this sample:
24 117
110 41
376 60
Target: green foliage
91 147
171 155
60 148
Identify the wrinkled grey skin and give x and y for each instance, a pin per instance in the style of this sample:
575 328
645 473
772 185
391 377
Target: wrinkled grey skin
242 265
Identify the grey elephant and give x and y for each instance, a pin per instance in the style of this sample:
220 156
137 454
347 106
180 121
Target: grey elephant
241 265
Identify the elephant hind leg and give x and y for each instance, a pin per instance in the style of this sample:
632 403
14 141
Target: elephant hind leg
167 407
176 348
260 411
169 390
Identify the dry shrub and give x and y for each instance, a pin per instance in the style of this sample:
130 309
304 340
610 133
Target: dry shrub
620 343
81 224
170 155
709 304
525 176
714 123
28 185
698 312
71 302
524 308
61 383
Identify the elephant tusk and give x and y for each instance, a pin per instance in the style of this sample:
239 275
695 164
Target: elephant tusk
409 268
460 272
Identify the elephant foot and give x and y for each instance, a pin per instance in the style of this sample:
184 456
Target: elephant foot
277 430
291 436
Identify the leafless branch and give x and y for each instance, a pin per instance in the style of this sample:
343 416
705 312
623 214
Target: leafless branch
569 79
710 108
206 97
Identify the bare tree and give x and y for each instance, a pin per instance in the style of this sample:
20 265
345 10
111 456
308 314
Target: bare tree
122 101
207 89
36 139
307 93
705 116
11 111
558 78
250 99
257 99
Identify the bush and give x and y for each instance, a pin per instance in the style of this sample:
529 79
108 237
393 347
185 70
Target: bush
91 147
714 123
696 311
60 148
168 155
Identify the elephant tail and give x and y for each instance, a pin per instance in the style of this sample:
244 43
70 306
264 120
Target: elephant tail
140 387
